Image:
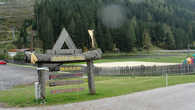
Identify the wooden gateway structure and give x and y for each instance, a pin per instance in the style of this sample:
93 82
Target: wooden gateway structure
57 56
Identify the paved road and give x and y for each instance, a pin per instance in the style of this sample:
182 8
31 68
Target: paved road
11 75
180 97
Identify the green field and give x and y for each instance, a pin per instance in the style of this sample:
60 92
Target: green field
23 96
144 57
163 59
170 59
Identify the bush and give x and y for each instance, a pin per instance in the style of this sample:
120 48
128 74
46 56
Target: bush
2 56
38 50
10 46
19 56
3 53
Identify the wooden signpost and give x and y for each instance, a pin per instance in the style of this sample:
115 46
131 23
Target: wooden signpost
58 56
69 68
65 68
67 82
63 76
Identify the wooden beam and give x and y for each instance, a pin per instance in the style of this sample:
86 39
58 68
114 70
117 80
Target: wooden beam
64 52
67 58
63 76
70 68
91 83
67 90
61 83
42 82
66 68
44 58
93 54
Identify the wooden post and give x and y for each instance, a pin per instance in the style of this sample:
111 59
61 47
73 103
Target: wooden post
42 83
91 83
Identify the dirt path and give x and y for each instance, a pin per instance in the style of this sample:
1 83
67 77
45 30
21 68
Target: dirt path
180 97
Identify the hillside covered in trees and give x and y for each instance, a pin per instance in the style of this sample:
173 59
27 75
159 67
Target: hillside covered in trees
119 24
13 14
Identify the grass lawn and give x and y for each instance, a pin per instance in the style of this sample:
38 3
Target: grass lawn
150 57
162 57
106 87
168 59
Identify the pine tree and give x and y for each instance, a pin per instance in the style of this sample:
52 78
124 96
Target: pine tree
146 40
132 33
170 41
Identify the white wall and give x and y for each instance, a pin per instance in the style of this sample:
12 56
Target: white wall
11 54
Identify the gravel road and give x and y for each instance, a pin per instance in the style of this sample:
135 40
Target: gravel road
11 75
180 97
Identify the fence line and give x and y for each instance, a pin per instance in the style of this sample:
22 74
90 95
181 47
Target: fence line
146 70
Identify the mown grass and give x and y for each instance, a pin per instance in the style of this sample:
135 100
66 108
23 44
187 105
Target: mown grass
23 96
149 57
168 59
164 59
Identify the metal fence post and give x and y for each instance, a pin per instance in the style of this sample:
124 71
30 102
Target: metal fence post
166 80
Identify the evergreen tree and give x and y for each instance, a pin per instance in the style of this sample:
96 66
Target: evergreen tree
167 24
132 33
146 40
170 41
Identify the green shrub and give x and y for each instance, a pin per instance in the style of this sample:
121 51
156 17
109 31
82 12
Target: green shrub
38 50
2 56
10 46
3 53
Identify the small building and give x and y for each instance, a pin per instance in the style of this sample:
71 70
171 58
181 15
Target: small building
13 52
2 3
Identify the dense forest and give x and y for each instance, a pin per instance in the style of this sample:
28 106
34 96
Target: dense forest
124 25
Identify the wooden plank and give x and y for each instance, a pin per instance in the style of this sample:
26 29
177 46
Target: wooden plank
71 68
67 90
63 76
67 58
64 51
94 54
61 83
45 58
65 68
